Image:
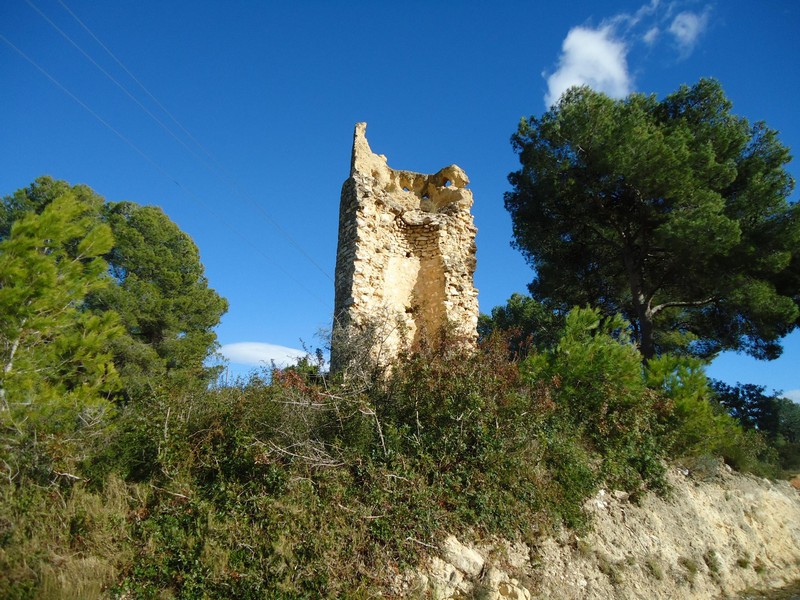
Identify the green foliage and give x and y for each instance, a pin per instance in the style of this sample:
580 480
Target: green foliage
290 485
698 426
465 422
748 404
55 378
527 323
673 213
594 375
775 418
54 364
654 566
295 487
711 558
87 310
37 196
158 290
571 468
63 541
452 413
691 566
593 359
162 297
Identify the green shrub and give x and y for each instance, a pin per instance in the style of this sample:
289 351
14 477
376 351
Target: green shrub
291 485
594 377
711 558
466 423
691 567
654 566
697 425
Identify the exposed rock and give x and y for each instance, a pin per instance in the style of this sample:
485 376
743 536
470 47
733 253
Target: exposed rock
714 537
445 580
497 585
462 557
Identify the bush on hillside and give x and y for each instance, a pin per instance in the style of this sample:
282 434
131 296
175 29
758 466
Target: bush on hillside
698 427
594 377
292 485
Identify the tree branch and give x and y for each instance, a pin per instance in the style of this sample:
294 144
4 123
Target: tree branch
657 309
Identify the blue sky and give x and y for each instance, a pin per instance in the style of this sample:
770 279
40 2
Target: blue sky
241 127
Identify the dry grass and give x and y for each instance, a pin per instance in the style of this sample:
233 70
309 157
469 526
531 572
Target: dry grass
64 543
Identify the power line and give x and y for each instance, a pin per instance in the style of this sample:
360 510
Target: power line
215 163
89 110
129 73
106 73
156 165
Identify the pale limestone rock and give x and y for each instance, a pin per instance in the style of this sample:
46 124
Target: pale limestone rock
464 558
463 572
445 580
497 585
406 256
750 527
738 531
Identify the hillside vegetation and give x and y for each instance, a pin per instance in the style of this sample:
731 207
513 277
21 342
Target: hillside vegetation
293 485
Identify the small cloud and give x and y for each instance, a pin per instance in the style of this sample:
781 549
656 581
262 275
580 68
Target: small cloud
259 354
793 395
590 57
646 10
651 36
643 13
598 56
687 27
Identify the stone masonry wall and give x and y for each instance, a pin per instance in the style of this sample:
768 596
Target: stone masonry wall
406 255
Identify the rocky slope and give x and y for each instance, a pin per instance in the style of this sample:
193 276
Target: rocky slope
717 534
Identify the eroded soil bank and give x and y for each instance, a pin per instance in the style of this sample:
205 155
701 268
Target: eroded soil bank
719 533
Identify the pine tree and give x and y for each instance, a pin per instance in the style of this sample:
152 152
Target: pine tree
674 213
54 362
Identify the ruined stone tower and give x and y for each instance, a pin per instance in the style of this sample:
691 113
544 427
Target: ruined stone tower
406 256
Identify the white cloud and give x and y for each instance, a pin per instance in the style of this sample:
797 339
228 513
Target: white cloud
687 27
258 354
590 57
793 395
598 56
651 36
646 11
642 13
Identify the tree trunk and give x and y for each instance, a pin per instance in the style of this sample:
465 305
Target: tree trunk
644 316
647 345
12 353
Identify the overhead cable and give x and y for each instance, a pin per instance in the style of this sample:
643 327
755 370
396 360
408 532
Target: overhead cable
215 164
158 167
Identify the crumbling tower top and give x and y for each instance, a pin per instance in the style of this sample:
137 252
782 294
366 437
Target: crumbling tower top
406 255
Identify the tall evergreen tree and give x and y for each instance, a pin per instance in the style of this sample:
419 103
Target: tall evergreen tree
53 353
674 213
157 286
162 296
